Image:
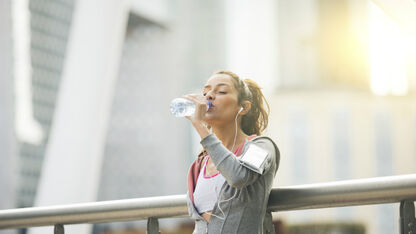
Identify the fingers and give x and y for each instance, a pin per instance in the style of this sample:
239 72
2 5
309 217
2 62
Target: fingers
200 107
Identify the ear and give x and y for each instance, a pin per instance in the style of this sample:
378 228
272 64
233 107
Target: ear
246 105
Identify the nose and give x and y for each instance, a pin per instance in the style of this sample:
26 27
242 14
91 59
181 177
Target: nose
209 96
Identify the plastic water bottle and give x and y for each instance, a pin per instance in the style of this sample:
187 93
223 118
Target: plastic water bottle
181 107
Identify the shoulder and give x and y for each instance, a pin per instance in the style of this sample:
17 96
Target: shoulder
268 144
200 159
265 141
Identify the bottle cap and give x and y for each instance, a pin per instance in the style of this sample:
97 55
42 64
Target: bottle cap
209 104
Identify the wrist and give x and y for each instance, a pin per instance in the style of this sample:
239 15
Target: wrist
202 129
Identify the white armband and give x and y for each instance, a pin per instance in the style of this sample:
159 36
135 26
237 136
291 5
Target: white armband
254 158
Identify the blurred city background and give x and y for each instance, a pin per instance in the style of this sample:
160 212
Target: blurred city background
85 88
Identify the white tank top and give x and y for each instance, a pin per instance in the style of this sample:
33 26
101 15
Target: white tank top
207 190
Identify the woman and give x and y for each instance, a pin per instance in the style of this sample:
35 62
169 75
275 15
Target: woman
225 195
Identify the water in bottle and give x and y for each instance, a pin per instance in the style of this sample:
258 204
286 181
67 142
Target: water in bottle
181 107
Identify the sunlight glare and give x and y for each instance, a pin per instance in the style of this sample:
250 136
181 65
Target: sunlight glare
387 54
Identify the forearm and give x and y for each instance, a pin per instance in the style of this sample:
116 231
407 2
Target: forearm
226 162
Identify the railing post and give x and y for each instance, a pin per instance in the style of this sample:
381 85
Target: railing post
153 226
59 229
407 217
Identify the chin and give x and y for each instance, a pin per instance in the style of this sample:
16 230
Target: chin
209 118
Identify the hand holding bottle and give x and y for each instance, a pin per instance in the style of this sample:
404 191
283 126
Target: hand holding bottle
198 118
201 107
194 108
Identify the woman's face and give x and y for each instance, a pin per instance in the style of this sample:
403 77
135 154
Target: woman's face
221 91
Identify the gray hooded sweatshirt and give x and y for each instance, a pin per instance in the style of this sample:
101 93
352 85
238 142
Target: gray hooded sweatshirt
246 212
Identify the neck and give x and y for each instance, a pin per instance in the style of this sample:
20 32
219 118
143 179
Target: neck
226 135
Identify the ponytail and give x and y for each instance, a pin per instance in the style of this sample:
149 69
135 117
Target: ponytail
256 120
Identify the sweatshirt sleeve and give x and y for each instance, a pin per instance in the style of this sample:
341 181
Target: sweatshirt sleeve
228 164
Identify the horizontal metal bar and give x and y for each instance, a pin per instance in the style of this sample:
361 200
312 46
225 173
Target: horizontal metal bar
370 191
335 194
95 212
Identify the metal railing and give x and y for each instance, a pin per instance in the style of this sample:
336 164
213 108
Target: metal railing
380 190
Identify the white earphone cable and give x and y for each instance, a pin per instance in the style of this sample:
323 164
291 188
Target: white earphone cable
229 199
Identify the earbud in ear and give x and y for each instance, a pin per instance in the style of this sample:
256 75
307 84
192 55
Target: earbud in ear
241 109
